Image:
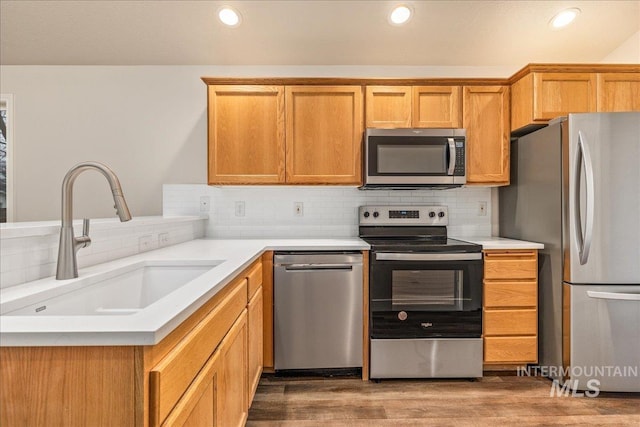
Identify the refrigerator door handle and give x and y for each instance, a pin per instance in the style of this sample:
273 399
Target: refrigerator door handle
614 295
583 156
452 156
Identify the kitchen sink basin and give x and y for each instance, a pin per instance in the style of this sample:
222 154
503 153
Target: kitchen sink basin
122 291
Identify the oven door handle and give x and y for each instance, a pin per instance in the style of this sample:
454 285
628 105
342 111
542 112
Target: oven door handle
391 256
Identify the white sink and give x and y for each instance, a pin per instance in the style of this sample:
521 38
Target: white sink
126 290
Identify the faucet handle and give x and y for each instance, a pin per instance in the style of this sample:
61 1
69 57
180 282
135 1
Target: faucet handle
85 227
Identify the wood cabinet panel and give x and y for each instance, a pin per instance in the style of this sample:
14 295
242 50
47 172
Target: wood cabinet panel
246 134
267 306
169 379
198 406
254 321
618 92
510 294
486 120
67 386
511 322
233 379
323 134
437 107
510 349
510 265
388 106
254 278
558 94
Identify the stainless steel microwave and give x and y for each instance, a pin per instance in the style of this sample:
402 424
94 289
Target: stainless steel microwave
414 158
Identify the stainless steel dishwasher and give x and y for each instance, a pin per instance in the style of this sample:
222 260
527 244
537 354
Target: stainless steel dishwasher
317 311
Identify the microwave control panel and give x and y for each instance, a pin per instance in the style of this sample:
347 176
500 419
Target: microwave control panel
459 169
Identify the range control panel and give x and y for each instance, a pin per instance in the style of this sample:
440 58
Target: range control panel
403 215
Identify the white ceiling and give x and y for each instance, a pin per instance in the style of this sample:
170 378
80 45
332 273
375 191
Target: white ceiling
445 33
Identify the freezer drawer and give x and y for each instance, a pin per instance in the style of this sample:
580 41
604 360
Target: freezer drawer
605 336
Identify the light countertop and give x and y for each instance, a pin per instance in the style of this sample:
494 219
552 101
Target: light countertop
152 324
500 243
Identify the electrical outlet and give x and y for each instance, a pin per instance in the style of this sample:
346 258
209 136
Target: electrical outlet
163 239
204 203
482 209
240 208
298 209
144 243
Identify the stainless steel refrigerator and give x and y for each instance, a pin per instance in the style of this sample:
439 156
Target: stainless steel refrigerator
575 186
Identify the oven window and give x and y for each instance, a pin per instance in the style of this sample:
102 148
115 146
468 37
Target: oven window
427 289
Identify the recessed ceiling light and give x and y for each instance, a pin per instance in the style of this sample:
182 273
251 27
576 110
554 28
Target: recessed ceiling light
564 18
229 16
400 14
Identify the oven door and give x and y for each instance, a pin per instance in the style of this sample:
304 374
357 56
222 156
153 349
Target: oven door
420 295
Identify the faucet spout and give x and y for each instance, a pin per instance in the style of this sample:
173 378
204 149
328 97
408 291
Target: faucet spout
69 245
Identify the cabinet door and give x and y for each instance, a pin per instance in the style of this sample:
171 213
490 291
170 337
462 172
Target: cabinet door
437 107
246 134
558 94
254 320
618 92
388 106
324 134
234 407
486 120
199 404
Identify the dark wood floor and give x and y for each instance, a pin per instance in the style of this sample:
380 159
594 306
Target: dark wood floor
494 400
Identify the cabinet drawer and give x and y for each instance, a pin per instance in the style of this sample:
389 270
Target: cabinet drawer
510 265
254 276
510 294
510 349
510 322
169 379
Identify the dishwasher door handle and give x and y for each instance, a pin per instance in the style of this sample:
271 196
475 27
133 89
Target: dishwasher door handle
317 267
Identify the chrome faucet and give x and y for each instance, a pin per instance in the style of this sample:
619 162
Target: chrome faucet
69 245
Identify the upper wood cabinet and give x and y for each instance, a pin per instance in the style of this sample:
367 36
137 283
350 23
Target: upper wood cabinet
246 134
436 107
324 134
249 128
540 93
388 106
486 120
618 92
540 97
413 106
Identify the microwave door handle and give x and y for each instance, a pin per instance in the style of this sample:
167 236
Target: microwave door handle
452 156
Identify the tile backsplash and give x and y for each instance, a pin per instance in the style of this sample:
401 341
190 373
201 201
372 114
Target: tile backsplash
29 251
269 211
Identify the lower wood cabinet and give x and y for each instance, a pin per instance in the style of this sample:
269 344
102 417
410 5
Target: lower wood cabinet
510 306
255 341
204 373
234 407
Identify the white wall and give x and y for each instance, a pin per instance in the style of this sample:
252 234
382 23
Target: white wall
148 123
627 53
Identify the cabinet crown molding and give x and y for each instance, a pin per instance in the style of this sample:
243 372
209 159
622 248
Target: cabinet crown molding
420 81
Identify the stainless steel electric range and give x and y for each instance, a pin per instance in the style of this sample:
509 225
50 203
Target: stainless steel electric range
425 295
